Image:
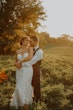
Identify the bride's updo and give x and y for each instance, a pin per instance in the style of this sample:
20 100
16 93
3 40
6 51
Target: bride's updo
23 39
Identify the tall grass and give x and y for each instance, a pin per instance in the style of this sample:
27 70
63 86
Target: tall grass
56 79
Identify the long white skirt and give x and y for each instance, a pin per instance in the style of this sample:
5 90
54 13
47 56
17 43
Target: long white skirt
23 90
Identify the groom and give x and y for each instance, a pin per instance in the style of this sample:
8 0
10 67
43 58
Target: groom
35 62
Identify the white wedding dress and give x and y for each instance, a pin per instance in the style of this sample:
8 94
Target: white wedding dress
23 90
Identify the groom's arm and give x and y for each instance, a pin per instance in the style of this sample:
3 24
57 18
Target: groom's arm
37 57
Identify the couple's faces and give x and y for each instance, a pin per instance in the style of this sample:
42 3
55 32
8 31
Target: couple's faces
26 42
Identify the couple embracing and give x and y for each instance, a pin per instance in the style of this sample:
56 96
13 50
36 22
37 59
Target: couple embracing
28 61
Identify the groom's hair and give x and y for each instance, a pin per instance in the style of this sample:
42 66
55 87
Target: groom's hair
35 38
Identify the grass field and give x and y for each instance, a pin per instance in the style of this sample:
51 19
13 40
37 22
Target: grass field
56 79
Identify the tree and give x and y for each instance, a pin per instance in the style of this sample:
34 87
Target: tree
18 15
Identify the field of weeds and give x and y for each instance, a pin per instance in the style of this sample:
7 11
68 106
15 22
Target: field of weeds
56 79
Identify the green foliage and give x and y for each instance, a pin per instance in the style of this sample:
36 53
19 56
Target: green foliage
46 41
18 16
43 39
56 79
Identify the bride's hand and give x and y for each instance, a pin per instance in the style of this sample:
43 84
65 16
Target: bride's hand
15 64
18 65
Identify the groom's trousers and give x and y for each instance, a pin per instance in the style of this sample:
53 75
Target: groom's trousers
36 81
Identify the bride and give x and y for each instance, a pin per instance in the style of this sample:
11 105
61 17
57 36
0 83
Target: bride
22 95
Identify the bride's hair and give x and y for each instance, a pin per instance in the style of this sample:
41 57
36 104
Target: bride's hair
23 39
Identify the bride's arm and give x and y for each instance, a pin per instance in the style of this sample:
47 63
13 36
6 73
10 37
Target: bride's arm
30 55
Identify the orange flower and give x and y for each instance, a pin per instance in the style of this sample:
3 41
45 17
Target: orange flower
3 75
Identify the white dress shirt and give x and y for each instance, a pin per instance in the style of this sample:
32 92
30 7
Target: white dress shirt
37 57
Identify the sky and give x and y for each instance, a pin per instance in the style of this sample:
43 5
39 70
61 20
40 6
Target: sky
59 17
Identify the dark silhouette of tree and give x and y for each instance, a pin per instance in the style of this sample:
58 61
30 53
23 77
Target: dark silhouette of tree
18 15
